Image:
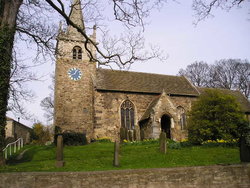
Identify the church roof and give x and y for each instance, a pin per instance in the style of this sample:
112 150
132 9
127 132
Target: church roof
245 104
128 81
147 113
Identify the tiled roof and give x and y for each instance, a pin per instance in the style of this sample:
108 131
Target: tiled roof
245 104
127 81
146 114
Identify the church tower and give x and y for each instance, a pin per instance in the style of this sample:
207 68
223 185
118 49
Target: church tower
74 77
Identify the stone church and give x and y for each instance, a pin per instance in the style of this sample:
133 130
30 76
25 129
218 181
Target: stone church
102 102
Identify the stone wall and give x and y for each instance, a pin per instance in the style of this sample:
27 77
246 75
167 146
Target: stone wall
186 177
15 130
108 115
107 105
74 99
9 129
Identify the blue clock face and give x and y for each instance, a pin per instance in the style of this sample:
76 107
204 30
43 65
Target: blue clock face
75 74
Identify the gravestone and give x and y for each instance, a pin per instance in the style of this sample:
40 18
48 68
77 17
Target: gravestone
59 152
116 154
245 146
163 144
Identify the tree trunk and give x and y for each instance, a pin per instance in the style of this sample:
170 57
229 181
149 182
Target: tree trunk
8 15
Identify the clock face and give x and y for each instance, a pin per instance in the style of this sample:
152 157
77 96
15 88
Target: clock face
75 74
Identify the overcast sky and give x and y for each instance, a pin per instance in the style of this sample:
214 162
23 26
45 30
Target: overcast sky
226 35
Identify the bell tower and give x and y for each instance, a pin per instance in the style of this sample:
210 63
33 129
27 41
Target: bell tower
74 77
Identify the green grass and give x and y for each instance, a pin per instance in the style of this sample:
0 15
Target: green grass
99 156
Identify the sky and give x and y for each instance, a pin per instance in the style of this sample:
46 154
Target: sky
223 36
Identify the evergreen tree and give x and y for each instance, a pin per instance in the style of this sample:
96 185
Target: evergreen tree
215 116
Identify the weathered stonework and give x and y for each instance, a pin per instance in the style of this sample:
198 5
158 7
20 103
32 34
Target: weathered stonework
229 176
15 130
108 116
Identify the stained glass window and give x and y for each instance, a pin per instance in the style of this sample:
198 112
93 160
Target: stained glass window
182 117
127 115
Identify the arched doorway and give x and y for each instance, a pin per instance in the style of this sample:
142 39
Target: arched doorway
166 125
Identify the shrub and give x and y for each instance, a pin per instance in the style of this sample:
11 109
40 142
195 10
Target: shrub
215 115
40 134
171 144
223 143
72 138
186 144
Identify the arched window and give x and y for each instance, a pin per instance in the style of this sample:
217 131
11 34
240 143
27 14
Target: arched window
127 115
182 117
77 52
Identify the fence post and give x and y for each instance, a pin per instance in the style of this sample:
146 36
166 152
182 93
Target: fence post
21 142
10 149
15 147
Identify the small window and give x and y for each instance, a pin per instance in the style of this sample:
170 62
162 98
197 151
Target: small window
127 115
77 52
182 117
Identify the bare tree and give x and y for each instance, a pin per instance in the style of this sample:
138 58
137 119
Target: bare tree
243 78
47 103
204 8
226 73
198 73
33 30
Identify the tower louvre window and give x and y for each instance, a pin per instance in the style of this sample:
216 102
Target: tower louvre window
77 52
127 115
80 53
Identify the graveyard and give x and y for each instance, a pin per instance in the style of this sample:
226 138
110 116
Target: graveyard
98 156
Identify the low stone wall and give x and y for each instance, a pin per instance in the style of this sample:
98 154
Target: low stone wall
230 176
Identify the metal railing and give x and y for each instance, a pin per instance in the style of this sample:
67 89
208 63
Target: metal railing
13 147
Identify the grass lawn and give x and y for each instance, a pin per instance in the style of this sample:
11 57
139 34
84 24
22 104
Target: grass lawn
99 156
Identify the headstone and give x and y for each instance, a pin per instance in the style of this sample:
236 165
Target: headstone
244 150
126 134
163 144
116 154
59 152
130 135
134 134
122 134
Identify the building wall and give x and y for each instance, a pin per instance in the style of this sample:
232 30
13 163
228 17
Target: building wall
15 130
74 99
74 110
230 176
107 121
167 105
107 111
22 131
9 132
